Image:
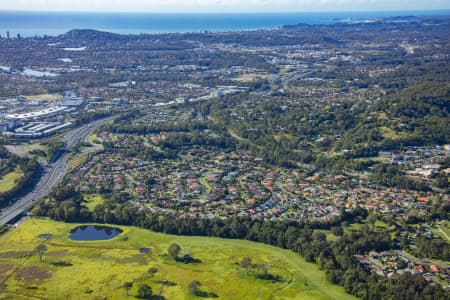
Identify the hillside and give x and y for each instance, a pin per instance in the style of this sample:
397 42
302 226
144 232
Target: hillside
92 270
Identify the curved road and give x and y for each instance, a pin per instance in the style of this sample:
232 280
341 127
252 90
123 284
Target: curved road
51 173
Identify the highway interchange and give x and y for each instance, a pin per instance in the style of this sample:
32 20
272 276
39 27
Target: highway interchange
51 173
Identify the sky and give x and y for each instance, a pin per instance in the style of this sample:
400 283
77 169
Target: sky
190 6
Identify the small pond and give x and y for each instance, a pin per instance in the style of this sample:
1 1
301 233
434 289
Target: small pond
46 236
93 233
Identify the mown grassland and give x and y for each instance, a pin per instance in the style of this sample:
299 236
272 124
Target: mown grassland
9 180
78 161
97 269
92 200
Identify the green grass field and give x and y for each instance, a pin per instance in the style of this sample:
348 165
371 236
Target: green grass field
93 201
277 137
8 181
94 270
76 162
330 237
389 133
444 232
445 226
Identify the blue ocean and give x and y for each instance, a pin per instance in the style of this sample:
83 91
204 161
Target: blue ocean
55 23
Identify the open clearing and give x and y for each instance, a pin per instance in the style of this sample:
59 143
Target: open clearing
27 149
442 229
78 161
8 181
97 269
93 201
389 133
252 77
46 97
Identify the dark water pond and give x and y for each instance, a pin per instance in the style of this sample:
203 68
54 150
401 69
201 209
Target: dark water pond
46 236
93 233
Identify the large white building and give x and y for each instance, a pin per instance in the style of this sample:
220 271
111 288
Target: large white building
54 110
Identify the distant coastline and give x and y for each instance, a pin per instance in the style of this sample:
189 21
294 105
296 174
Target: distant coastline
29 24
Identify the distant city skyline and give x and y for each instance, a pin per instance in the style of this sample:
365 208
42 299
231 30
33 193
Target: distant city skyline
216 6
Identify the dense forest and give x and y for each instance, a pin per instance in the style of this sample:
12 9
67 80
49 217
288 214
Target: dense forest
418 115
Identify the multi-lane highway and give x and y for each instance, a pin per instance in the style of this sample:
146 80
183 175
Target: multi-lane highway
51 173
285 79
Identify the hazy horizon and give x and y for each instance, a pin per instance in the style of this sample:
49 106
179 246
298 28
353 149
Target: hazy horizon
222 6
226 12
54 23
